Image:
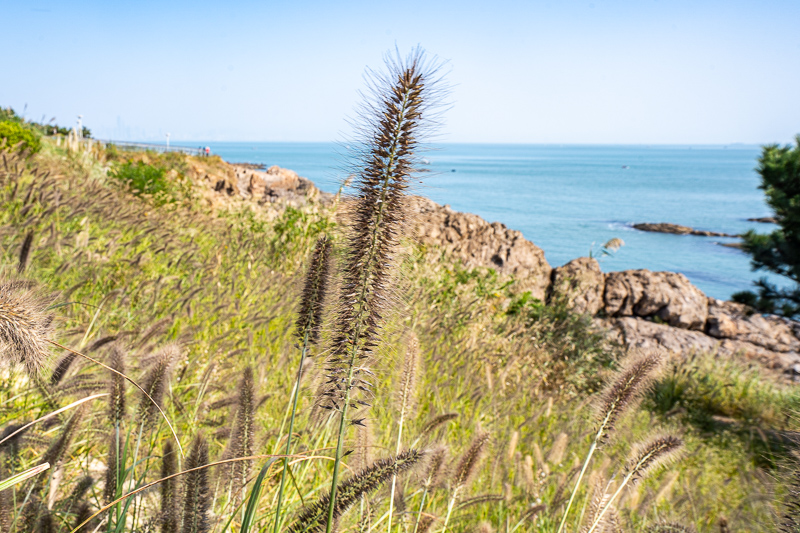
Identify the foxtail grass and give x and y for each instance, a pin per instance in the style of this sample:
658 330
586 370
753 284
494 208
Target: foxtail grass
307 330
646 457
464 471
433 477
397 114
25 325
169 516
243 435
622 393
197 497
314 517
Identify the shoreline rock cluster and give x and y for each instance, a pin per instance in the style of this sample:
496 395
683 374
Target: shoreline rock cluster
638 308
677 229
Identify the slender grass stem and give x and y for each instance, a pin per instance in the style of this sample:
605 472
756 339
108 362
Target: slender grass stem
450 505
388 173
421 508
577 484
394 477
611 500
296 394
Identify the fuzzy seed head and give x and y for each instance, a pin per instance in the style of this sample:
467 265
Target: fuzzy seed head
113 466
313 517
653 453
437 467
197 497
25 325
385 161
406 390
117 385
625 389
156 380
469 462
243 433
169 516
309 320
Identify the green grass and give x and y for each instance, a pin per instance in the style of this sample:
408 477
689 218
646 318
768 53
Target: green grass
224 285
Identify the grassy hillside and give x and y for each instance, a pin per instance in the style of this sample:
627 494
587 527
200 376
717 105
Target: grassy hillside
138 277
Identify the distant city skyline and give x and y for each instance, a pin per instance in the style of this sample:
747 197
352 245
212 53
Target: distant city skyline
594 72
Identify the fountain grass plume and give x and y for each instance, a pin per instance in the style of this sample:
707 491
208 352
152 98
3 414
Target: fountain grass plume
397 112
625 390
169 516
645 458
675 527
112 466
25 325
58 449
25 252
309 316
116 398
314 517
434 474
437 421
307 329
243 435
465 470
155 381
621 393
197 497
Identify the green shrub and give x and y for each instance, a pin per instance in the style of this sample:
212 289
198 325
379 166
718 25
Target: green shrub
145 180
13 133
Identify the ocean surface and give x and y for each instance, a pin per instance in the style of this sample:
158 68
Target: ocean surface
570 199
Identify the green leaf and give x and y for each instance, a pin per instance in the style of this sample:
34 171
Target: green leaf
22 476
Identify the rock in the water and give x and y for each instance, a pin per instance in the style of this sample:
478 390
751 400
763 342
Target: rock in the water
581 283
677 229
477 242
666 295
765 220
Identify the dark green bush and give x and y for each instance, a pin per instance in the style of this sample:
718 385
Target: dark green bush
145 180
14 132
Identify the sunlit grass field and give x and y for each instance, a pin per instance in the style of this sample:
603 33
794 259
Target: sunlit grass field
219 286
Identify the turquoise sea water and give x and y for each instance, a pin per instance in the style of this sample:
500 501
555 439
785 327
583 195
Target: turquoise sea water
571 199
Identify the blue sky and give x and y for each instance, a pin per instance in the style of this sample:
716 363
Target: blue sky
641 72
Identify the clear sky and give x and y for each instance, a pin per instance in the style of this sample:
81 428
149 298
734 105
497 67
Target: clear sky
597 71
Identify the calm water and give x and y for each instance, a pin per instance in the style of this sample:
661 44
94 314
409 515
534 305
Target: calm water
571 199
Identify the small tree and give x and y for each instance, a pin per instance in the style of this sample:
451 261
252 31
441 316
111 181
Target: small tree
779 251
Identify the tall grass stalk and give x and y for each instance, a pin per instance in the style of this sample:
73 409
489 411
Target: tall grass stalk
617 397
393 120
647 457
406 403
308 326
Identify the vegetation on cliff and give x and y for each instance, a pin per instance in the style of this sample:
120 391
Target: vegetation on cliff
779 251
197 301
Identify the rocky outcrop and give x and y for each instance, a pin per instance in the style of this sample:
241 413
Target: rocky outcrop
764 220
581 284
477 242
275 184
677 229
668 296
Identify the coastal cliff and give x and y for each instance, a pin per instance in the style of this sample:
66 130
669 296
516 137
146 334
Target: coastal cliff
638 308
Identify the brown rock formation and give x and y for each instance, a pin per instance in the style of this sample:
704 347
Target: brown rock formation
581 283
666 295
477 242
677 229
